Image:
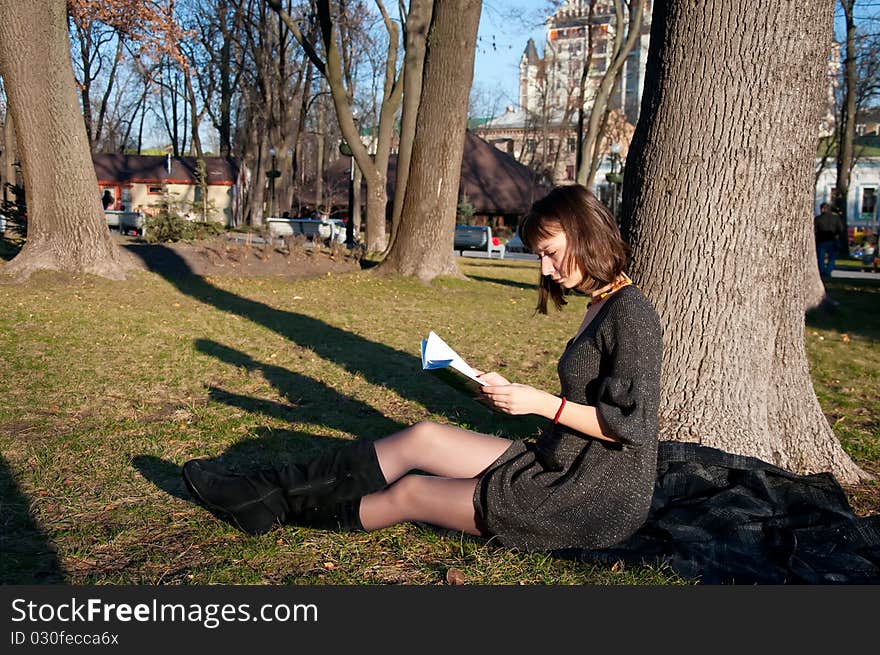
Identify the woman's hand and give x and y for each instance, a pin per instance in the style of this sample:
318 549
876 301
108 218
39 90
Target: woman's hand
519 399
491 379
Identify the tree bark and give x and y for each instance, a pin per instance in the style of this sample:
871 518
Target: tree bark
423 246
720 173
66 227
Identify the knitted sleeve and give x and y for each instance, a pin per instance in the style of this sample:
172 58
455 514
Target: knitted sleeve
629 394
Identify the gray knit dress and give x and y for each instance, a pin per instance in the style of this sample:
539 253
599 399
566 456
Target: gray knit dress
567 489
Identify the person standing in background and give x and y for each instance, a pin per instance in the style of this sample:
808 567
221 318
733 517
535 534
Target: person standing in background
829 229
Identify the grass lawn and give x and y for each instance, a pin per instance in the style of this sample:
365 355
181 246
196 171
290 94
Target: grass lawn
107 388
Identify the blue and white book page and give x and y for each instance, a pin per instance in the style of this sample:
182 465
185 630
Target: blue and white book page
436 355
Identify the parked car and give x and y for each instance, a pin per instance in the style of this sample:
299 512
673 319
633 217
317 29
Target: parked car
338 229
515 244
477 238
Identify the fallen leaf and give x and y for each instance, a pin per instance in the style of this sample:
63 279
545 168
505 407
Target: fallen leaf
845 338
455 577
329 566
617 567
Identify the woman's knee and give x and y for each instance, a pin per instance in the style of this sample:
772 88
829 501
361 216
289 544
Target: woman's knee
408 492
422 434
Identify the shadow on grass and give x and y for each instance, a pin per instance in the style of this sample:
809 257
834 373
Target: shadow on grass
376 362
508 283
310 400
27 556
857 310
9 249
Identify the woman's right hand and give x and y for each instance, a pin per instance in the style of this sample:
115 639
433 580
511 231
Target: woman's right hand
492 379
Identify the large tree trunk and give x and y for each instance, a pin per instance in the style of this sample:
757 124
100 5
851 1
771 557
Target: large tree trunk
423 245
719 174
66 226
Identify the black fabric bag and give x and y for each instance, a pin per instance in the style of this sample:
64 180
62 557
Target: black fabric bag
728 519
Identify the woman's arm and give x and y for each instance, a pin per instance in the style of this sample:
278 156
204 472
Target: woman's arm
518 399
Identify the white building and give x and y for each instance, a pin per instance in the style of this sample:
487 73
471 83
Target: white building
861 202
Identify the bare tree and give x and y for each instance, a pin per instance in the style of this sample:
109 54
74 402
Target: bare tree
271 110
373 167
218 61
627 28
735 371
99 48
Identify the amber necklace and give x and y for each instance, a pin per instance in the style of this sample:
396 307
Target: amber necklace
622 281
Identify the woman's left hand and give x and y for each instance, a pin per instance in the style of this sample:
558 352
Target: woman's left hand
519 399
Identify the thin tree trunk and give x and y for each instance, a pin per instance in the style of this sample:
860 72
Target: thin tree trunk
319 154
848 112
105 99
66 227
85 89
582 85
423 247
721 151
417 23
10 153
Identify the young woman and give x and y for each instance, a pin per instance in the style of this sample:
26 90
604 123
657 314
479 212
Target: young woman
587 481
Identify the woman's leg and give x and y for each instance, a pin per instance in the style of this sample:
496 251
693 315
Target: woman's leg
445 502
440 449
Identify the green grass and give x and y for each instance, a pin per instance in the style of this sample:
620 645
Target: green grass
107 388
842 347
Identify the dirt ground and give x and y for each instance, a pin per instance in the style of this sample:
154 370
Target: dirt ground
240 258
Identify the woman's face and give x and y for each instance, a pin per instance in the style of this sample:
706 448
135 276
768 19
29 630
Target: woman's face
551 251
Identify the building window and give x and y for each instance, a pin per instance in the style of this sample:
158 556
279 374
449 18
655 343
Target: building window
569 173
154 189
197 196
531 145
869 202
572 144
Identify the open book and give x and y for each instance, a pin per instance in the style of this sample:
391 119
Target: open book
447 365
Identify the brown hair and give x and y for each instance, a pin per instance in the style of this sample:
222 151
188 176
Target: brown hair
594 241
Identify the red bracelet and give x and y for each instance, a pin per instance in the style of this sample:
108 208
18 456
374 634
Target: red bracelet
559 411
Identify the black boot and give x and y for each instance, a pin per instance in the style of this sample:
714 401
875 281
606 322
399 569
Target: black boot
256 502
343 516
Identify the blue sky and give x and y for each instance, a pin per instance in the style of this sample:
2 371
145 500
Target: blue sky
505 28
